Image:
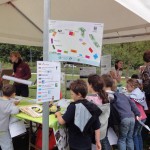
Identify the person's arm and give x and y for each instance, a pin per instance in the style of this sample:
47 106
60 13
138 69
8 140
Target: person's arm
134 108
60 119
27 72
97 139
68 116
11 108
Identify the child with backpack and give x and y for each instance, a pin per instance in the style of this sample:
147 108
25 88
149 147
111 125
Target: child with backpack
7 108
81 119
138 97
99 97
127 111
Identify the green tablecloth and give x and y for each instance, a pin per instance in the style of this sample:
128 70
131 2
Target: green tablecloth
25 102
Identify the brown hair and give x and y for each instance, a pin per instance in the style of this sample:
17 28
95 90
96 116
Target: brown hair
98 86
146 56
134 83
79 86
108 82
8 90
16 54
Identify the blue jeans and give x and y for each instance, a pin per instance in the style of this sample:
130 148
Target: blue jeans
125 139
138 142
105 144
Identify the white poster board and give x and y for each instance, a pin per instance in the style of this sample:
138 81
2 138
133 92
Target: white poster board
86 71
62 78
79 42
105 64
48 81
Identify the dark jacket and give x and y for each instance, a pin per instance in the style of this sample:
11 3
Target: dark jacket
21 70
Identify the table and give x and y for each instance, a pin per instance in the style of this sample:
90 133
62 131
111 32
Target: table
23 116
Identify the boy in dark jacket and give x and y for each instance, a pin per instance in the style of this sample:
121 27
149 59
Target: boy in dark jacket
81 118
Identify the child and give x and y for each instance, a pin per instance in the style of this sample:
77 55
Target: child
126 110
99 97
6 109
138 97
81 118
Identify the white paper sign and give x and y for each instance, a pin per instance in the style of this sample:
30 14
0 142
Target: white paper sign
48 81
79 42
16 127
86 71
112 137
105 64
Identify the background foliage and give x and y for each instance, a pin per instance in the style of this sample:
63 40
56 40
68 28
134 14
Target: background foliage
130 53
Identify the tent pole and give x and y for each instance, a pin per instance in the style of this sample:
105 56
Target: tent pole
45 130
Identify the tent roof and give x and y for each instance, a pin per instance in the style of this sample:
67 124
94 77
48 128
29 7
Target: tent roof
22 20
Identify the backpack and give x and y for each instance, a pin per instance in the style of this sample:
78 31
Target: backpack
114 118
146 80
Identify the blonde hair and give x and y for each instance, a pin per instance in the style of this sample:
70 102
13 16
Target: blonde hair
134 83
16 54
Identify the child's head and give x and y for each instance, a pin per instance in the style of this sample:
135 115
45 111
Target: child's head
132 84
135 76
108 82
96 84
8 90
78 89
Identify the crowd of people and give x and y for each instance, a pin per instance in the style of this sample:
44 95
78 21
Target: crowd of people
97 106
125 112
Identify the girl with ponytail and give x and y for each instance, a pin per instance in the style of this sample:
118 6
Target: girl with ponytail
96 89
100 98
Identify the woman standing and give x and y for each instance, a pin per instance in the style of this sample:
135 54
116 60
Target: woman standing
21 70
116 72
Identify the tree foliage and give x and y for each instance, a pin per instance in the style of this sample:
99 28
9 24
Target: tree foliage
28 53
130 53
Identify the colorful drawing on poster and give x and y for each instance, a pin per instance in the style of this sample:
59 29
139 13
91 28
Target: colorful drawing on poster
54 33
74 51
87 56
53 46
59 51
66 52
83 43
51 41
71 33
90 49
82 31
70 41
95 56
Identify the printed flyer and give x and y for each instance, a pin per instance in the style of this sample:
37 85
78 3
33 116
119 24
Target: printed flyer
61 136
48 81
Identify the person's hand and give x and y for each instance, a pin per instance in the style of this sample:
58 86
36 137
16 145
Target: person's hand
57 114
98 145
16 102
138 118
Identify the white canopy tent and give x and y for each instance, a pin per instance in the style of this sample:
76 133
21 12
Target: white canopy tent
21 21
